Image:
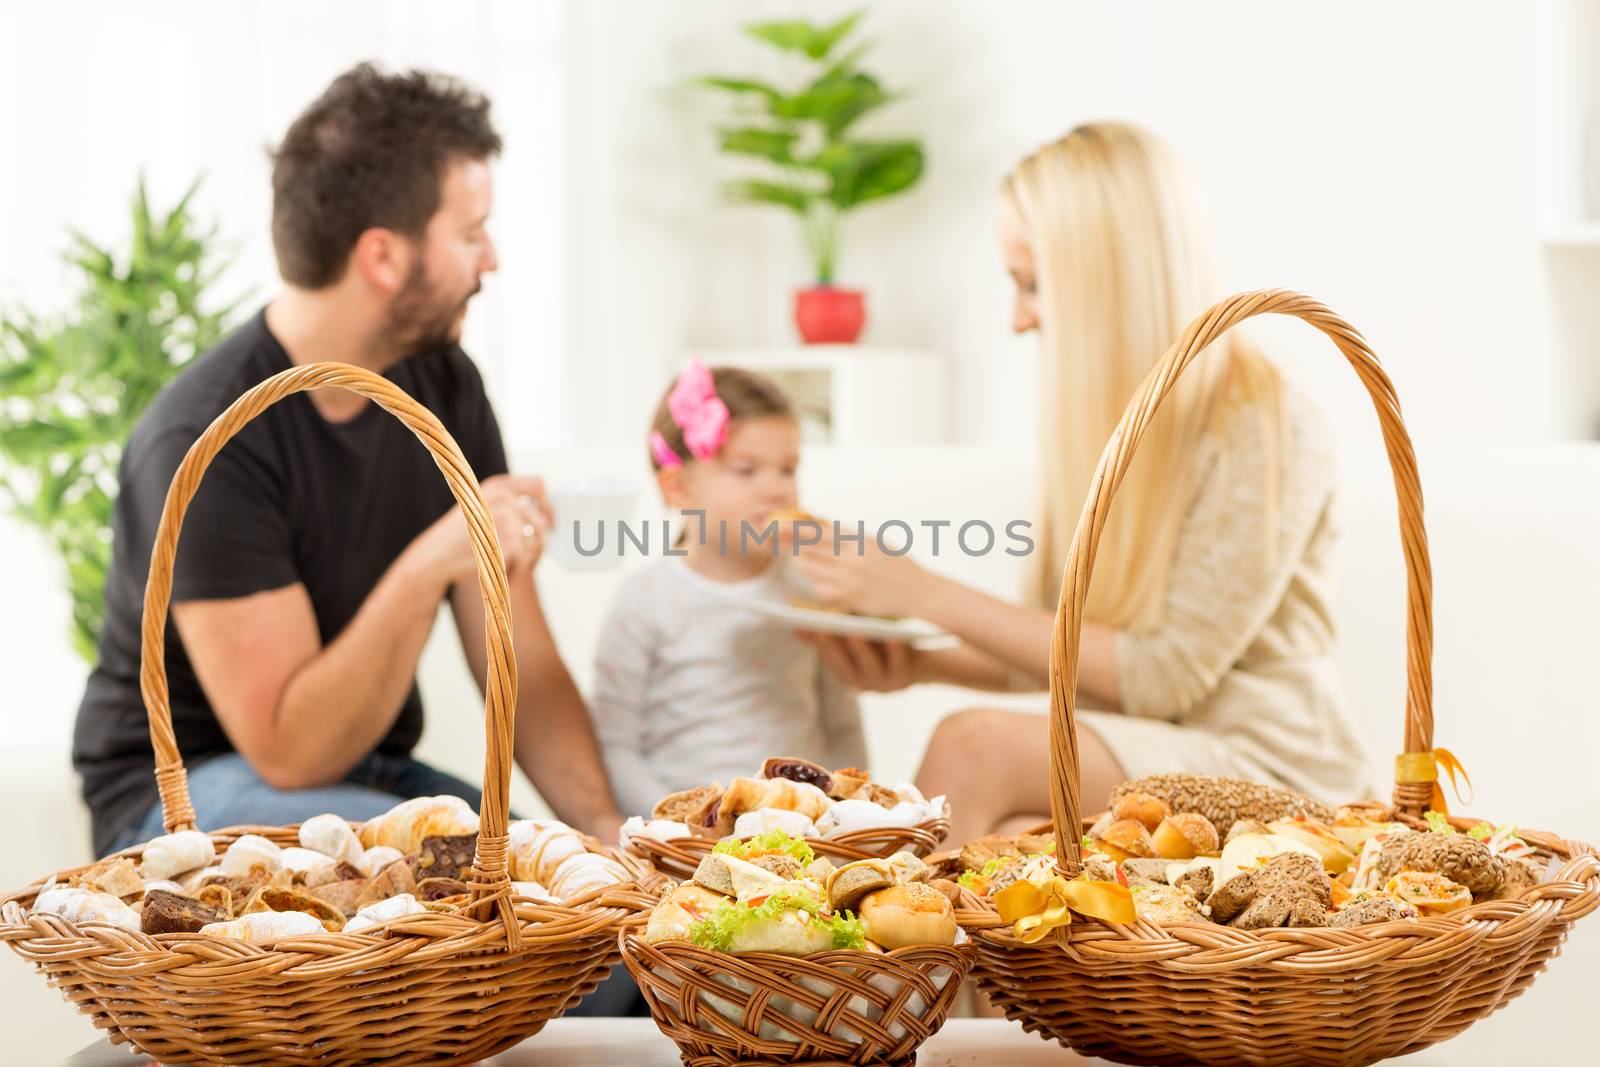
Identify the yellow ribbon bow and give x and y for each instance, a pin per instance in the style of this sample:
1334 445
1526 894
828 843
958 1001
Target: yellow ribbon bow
1038 909
1415 767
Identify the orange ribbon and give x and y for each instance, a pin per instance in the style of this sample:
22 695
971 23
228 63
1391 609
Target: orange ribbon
1416 767
1038 909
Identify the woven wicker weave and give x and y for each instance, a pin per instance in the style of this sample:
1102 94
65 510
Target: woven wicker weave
680 856
432 988
1201 993
833 1008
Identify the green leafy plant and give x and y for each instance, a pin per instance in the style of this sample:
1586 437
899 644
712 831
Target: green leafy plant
73 385
816 168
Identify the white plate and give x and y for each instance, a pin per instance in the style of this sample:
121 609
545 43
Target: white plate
918 634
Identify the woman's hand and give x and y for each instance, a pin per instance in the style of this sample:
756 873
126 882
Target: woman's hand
871 666
863 579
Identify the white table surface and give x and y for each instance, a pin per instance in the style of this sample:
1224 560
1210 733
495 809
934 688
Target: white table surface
637 1043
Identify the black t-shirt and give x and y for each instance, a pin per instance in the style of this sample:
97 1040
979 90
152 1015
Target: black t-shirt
291 498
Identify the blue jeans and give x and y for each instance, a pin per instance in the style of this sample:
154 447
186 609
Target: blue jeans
226 791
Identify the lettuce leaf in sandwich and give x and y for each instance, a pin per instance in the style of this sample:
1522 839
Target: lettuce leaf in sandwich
720 929
773 841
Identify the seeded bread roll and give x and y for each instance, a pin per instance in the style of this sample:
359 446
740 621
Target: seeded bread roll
1458 857
1372 910
1291 889
1224 800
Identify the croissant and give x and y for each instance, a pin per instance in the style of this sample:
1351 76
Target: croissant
582 872
172 854
261 925
752 794
539 846
405 825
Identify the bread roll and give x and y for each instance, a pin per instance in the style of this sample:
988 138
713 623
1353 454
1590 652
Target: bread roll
752 794
314 868
265 925
86 906
1184 836
1142 808
680 909
373 861
1224 800
173 854
405 825
332 836
251 853
1126 839
383 911
904 915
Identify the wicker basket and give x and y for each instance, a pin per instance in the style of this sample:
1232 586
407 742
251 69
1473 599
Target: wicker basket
431 988
1201 993
680 856
833 1008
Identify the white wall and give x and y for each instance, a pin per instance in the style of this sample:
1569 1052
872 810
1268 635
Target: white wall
93 94
1390 160
1381 157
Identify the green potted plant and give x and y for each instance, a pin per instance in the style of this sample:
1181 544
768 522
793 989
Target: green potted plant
813 165
75 385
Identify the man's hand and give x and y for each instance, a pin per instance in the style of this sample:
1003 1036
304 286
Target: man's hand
522 517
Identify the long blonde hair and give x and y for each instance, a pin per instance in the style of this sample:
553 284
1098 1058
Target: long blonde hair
1123 261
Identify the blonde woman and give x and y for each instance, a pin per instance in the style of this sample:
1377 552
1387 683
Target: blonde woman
1207 640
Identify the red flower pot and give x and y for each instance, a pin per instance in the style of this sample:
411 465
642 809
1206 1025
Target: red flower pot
829 316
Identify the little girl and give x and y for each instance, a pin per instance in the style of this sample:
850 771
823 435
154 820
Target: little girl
691 686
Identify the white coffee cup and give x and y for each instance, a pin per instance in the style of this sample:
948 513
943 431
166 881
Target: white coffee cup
588 514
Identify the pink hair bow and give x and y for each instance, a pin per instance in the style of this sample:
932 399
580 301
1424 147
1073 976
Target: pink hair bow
662 452
699 413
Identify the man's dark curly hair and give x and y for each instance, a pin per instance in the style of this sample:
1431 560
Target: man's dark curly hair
370 151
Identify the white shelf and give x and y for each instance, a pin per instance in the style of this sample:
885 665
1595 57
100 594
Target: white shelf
854 395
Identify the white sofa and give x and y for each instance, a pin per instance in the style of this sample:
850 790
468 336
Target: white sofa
1513 532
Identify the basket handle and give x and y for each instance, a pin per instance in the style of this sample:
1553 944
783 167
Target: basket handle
1065 781
491 881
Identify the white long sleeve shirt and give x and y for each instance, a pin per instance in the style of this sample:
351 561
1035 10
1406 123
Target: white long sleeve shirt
691 687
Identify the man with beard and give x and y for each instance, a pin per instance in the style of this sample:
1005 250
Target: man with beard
323 539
